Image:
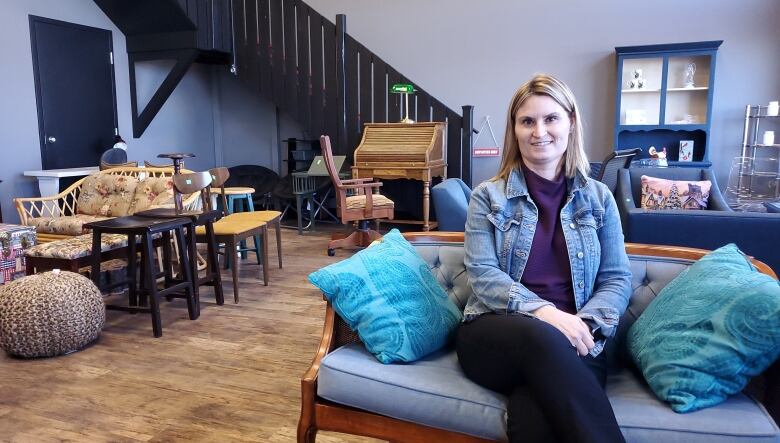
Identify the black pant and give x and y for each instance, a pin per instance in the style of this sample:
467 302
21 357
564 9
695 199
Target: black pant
554 394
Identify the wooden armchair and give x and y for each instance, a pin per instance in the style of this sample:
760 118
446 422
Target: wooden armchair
355 201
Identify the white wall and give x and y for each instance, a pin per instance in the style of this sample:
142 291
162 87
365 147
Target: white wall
185 123
469 52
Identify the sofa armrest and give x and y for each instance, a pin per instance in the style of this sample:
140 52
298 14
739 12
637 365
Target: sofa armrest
716 201
66 202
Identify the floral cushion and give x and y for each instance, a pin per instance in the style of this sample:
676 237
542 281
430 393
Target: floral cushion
76 247
107 195
153 192
658 193
64 225
359 201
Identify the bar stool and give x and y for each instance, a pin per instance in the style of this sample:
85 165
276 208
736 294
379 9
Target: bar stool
189 184
238 199
146 228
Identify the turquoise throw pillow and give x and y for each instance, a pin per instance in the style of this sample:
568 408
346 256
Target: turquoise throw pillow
709 331
387 294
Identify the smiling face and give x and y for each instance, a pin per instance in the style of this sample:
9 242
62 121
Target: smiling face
542 129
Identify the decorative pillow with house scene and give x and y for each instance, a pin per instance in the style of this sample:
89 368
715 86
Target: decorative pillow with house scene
658 193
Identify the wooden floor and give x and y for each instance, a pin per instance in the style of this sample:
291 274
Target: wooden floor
231 375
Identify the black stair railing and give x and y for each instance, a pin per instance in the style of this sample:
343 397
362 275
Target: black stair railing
330 83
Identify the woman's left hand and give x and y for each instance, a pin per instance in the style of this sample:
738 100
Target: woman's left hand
575 330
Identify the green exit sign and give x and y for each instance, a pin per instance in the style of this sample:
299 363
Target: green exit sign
402 88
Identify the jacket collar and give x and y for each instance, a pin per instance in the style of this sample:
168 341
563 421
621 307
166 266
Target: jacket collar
516 185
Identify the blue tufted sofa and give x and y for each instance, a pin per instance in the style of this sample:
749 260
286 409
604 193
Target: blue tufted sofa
347 390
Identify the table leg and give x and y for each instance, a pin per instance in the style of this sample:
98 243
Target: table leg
151 285
95 271
300 215
132 257
426 204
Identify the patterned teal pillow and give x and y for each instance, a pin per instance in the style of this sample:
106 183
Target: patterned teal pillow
709 331
387 294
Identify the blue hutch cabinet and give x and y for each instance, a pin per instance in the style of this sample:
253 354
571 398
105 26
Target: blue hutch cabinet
664 99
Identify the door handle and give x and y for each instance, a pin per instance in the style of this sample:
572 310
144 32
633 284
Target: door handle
51 139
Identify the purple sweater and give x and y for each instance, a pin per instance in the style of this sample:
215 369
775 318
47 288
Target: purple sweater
548 271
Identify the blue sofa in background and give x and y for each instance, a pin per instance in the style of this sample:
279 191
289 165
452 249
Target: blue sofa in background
451 204
753 232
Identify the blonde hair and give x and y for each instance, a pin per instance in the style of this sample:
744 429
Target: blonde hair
574 159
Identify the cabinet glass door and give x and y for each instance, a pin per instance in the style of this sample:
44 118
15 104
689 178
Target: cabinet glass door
687 86
640 92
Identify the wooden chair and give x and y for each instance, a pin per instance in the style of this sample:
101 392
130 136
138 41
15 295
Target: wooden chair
355 201
147 164
188 184
230 230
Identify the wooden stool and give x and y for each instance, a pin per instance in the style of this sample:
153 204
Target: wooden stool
146 227
189 184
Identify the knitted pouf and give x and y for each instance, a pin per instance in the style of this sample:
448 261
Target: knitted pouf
49 314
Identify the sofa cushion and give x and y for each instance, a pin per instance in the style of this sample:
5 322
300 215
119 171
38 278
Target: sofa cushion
387 294
659 193
76 247
107 195
153 192
709 331
431 391
644 418
64 225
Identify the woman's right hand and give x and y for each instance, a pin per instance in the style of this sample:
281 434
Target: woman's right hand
575 330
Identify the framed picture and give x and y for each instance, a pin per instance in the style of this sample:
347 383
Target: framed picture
686 151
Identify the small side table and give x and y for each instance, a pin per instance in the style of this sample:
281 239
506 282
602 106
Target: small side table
146 228
177 158
49 179
305 188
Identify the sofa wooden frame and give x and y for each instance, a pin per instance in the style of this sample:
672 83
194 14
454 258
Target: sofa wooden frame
66 202
318 414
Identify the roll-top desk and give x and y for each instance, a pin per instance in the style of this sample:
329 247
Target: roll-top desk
403 150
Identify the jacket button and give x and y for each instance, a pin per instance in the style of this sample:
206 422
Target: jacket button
580 255
572 225
581 284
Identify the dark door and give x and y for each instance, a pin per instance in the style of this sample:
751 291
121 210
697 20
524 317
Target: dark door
74 88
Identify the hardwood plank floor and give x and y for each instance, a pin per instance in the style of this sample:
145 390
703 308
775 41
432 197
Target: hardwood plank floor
231 375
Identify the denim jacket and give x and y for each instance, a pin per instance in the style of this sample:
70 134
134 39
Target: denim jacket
499 232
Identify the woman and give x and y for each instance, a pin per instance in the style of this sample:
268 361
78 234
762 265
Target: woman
546 260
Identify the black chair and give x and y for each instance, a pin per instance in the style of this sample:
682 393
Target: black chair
607 171
115 158
260 178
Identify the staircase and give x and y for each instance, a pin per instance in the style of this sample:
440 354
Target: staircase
309 67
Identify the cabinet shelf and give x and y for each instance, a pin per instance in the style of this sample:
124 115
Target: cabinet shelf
669 126
631 91
697 88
